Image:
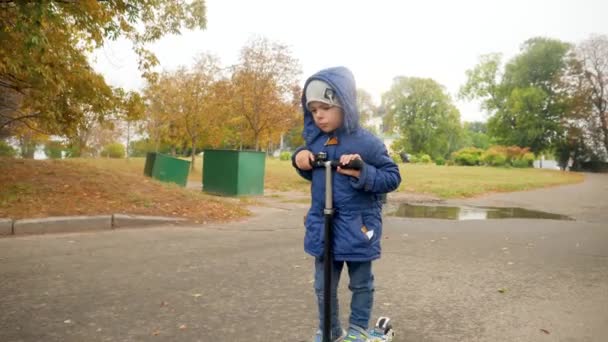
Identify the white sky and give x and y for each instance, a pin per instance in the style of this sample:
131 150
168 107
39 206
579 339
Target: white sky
377 40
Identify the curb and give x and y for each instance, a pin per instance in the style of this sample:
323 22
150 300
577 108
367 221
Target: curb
6 226
128 221
69 224
61 224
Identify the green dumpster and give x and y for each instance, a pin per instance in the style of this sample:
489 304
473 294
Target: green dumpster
166 168
233 173
150 158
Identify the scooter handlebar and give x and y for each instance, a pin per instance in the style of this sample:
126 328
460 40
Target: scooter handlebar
321 158
355 164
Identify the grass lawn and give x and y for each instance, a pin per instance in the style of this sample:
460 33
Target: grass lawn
279 174
470 181
41 188
441 181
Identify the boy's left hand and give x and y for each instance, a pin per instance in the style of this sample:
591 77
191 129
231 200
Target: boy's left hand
345 159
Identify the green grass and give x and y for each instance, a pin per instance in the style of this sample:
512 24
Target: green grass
441 181
135 165
470 181
281 176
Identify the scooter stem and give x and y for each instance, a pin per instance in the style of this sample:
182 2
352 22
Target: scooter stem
328 257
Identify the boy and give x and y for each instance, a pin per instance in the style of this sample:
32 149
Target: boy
331 125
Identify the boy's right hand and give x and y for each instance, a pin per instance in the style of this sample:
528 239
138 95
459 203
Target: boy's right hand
304 160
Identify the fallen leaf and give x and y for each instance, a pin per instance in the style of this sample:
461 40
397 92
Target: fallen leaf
163 303
196 295
67 321
156 332
183 326
502 290
545 331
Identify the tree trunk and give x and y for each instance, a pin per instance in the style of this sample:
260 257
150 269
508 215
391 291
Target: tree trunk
128 137
604 123
193 154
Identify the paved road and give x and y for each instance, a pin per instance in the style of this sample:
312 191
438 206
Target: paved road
507 280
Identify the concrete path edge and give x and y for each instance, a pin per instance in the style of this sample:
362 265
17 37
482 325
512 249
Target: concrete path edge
68 224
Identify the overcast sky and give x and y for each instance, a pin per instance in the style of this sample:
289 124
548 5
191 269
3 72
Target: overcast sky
377 40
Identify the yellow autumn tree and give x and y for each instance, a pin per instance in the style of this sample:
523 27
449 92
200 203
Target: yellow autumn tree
263 82
43 54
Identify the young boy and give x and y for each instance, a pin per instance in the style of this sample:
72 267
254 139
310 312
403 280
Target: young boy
331 125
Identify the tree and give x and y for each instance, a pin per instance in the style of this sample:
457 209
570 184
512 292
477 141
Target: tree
264 82
131 113
475 135
45 75
528 101
367 110
196 104
593 54
188 107
424 115
158 97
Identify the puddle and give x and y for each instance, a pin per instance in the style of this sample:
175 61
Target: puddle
472 213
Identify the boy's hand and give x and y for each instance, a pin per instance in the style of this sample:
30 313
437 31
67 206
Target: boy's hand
304 160
345 159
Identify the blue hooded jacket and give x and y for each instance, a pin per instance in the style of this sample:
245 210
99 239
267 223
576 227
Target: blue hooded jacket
357 223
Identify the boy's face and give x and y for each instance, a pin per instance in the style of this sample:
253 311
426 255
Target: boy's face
327 117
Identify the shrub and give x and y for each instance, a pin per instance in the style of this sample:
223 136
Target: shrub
113 150
285 155
53 149
495 156
524 161
439 161
467 156
424 158
414 159
6 150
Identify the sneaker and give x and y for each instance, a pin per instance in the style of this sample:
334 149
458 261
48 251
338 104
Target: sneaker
319 337
356 334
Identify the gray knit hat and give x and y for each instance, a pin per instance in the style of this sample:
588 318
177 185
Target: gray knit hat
317 90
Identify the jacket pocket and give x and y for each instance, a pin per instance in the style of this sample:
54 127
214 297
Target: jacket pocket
372 221
351 236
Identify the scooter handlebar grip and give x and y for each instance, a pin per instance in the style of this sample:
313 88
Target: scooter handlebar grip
356 164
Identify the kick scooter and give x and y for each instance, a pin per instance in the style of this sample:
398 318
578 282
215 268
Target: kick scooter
383 330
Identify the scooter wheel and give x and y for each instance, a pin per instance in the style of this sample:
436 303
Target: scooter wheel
389 335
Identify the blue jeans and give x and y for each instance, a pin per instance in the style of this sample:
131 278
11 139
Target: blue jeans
361 285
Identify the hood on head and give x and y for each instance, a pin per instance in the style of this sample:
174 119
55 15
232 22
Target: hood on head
342 82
